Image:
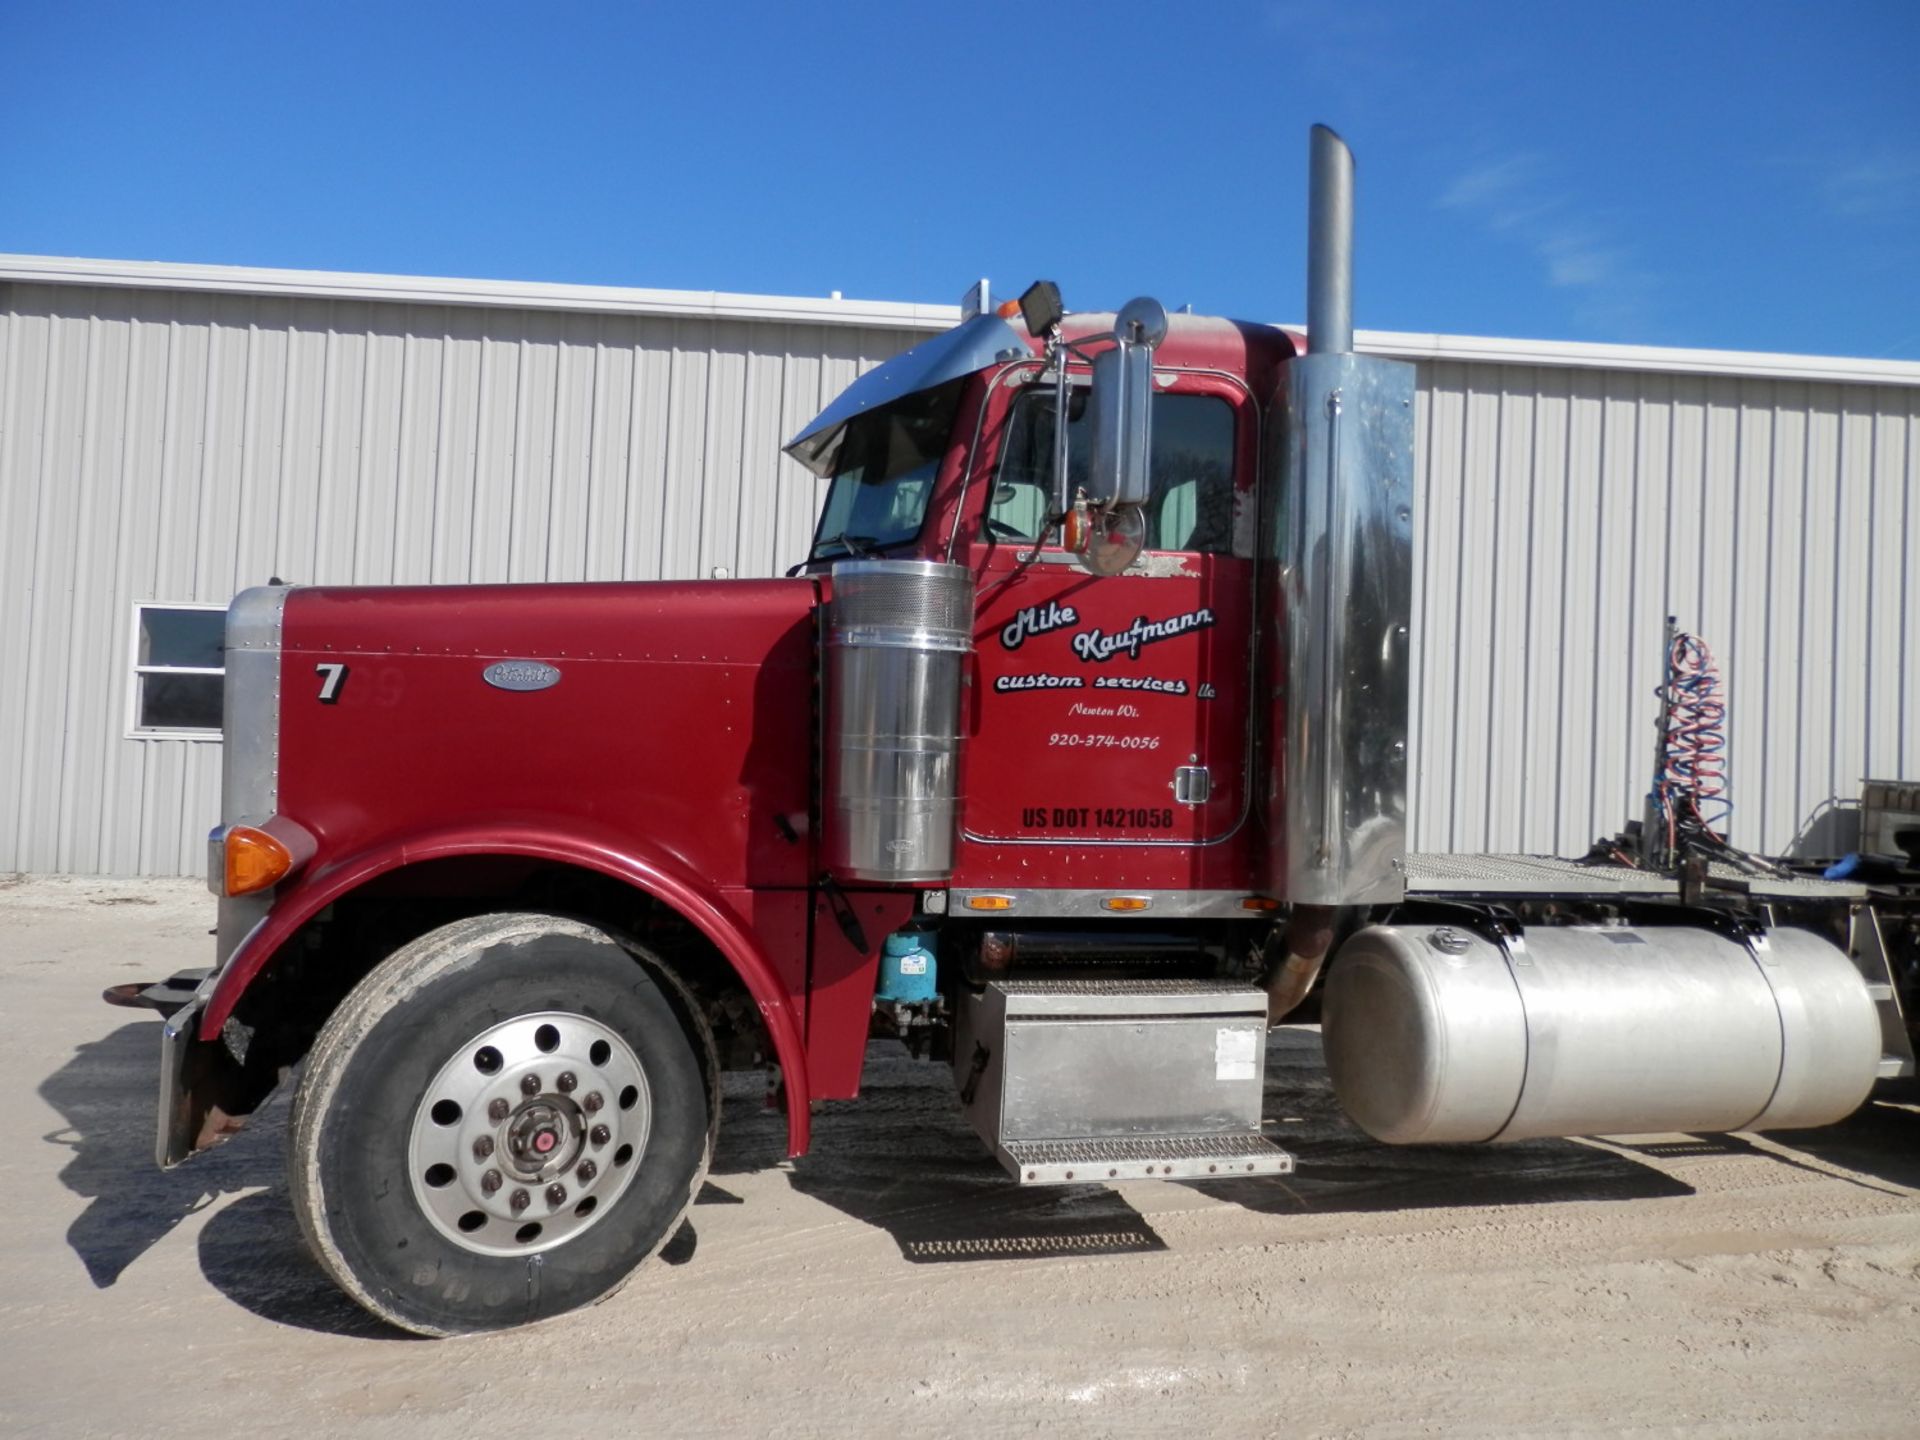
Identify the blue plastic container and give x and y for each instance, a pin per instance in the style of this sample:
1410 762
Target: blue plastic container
908 973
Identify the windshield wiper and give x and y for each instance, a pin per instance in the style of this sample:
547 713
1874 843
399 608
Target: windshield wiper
862 547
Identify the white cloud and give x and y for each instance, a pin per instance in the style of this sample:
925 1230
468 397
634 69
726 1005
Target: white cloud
1495 183
1878 183
1575 258
1577 249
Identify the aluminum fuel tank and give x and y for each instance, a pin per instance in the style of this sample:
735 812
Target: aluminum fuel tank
898 633
1435 1034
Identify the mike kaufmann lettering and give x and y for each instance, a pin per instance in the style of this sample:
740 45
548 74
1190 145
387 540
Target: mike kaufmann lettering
1040 681
1037 620
1099 645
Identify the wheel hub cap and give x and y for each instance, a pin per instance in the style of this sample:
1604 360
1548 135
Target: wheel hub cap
528 1133
543 1138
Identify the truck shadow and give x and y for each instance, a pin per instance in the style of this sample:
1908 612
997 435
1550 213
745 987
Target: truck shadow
104 1095
1343 1170
902 1159
250 1249
1880 1140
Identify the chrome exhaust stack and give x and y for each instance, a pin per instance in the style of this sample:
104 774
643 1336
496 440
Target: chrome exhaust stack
1329 244
1340 550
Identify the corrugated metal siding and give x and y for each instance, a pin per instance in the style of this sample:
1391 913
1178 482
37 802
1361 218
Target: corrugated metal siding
177 445
1565 513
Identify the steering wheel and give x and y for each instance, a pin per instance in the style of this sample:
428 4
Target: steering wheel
1003 531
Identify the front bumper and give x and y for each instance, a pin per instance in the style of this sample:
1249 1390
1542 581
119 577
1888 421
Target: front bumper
179 1039
200 1080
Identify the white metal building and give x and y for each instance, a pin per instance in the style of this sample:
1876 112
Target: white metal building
171 433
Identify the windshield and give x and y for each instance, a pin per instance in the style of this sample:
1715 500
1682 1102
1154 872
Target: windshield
885 474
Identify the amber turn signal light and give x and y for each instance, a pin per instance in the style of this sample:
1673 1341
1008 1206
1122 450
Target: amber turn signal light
244 858
254 860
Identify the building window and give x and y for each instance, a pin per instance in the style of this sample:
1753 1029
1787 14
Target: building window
179 666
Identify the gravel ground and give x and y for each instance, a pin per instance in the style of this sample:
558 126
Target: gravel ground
893 1282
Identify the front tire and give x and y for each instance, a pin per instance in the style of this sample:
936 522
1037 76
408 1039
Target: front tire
499 1124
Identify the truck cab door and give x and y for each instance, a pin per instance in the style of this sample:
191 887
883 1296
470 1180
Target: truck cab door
1114 710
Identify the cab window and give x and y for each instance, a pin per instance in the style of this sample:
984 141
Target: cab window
1191 507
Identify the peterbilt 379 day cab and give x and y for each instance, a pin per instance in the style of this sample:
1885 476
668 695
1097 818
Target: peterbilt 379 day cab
1068 755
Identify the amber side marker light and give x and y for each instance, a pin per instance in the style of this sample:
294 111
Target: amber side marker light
1126 902
989 902
250 858
1259 902
255 860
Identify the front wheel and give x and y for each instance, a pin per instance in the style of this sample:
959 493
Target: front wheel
499 1123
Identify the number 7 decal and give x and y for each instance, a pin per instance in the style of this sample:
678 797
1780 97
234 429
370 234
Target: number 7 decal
333 679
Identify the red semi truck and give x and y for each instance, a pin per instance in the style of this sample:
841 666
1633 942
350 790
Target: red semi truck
1069 754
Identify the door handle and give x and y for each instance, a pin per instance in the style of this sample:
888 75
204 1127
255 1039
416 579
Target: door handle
1192 784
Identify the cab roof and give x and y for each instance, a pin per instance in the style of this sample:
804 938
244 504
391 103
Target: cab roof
1194 342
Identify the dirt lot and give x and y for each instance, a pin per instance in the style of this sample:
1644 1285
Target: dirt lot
893 1282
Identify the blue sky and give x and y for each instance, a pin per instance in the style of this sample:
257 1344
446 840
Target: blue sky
1739 176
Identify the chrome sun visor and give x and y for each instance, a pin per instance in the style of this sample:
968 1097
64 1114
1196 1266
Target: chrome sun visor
972 345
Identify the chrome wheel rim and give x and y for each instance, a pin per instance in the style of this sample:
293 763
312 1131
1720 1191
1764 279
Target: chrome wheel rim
529 1133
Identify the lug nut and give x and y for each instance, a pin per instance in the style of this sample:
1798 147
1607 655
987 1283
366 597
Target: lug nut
586 1170
529 1084
593 1101
519 1201
600 1134
490 1182
566 1082
497 1111
483 1147
556 1194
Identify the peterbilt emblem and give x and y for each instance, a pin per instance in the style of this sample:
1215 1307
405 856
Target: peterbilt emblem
520 675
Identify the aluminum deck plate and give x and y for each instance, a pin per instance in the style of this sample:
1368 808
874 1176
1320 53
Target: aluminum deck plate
1157 1157
1536 876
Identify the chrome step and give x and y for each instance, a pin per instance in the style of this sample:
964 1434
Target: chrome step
1157 1157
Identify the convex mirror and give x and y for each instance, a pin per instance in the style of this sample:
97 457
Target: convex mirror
1120 408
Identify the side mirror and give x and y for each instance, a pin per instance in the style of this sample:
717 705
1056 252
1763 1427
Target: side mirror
1120 407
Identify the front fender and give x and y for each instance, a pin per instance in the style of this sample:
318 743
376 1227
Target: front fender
652 872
